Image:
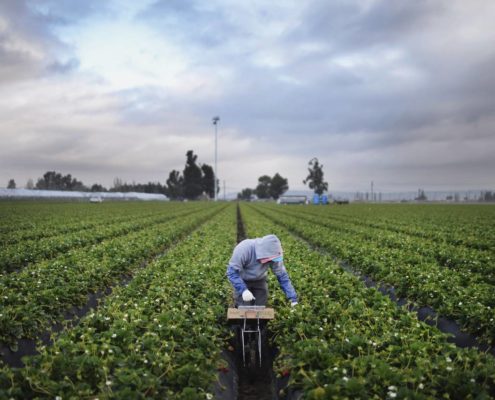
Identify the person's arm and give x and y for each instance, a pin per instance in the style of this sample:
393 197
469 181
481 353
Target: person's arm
235 279
280 272
234 268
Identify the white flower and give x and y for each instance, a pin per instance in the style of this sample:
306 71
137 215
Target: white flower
472 380
392 388
345 378
108 383
449 368
421 386
58 397
393 395
114 335
448 359
209 396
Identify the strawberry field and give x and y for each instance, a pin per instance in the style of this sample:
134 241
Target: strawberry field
128 300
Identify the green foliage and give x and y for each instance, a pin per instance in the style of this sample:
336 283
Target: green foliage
208 181
161 335
175 185
53 180
35 297
11 184
269 187
278 186
193 185
245 194
195 180
344 340
315 177
158 337
263 188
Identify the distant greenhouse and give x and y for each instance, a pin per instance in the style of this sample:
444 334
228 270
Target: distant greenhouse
59 194
292 199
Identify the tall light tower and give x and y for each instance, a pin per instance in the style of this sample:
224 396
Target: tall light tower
215 122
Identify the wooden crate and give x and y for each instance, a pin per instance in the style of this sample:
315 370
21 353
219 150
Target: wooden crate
235 313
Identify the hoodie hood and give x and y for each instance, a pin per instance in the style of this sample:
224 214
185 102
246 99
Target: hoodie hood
268 246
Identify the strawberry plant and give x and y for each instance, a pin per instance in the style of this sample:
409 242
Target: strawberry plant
346 341
158 337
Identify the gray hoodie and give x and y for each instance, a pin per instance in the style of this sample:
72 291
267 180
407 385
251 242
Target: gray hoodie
244 264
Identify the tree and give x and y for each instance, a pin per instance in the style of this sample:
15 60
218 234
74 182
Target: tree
175 185
11 184
278 186
421 195
263 188
30 184
98 188
56 181
192 177
245 194
208 180
117 184
315 177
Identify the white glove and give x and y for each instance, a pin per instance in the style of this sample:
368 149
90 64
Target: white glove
293 303
247 295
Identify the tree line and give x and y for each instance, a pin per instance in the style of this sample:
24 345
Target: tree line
195 181
273 187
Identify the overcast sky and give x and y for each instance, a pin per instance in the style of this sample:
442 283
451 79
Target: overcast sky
401 93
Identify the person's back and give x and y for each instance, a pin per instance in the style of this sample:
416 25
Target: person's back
248 268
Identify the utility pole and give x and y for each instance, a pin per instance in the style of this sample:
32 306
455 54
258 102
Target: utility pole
215 122
224 198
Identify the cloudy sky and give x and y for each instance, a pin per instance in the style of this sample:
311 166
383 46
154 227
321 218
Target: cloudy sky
401 93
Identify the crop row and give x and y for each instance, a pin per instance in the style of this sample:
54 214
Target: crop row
91 220
159 337
474 265
461 225
445 290
17 255
346 341
20 216
36 297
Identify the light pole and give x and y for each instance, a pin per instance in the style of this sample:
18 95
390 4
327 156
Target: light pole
215 122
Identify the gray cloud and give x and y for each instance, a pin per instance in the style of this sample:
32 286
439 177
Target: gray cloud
402 90
29 44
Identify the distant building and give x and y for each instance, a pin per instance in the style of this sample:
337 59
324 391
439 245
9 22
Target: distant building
67 195
292 199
